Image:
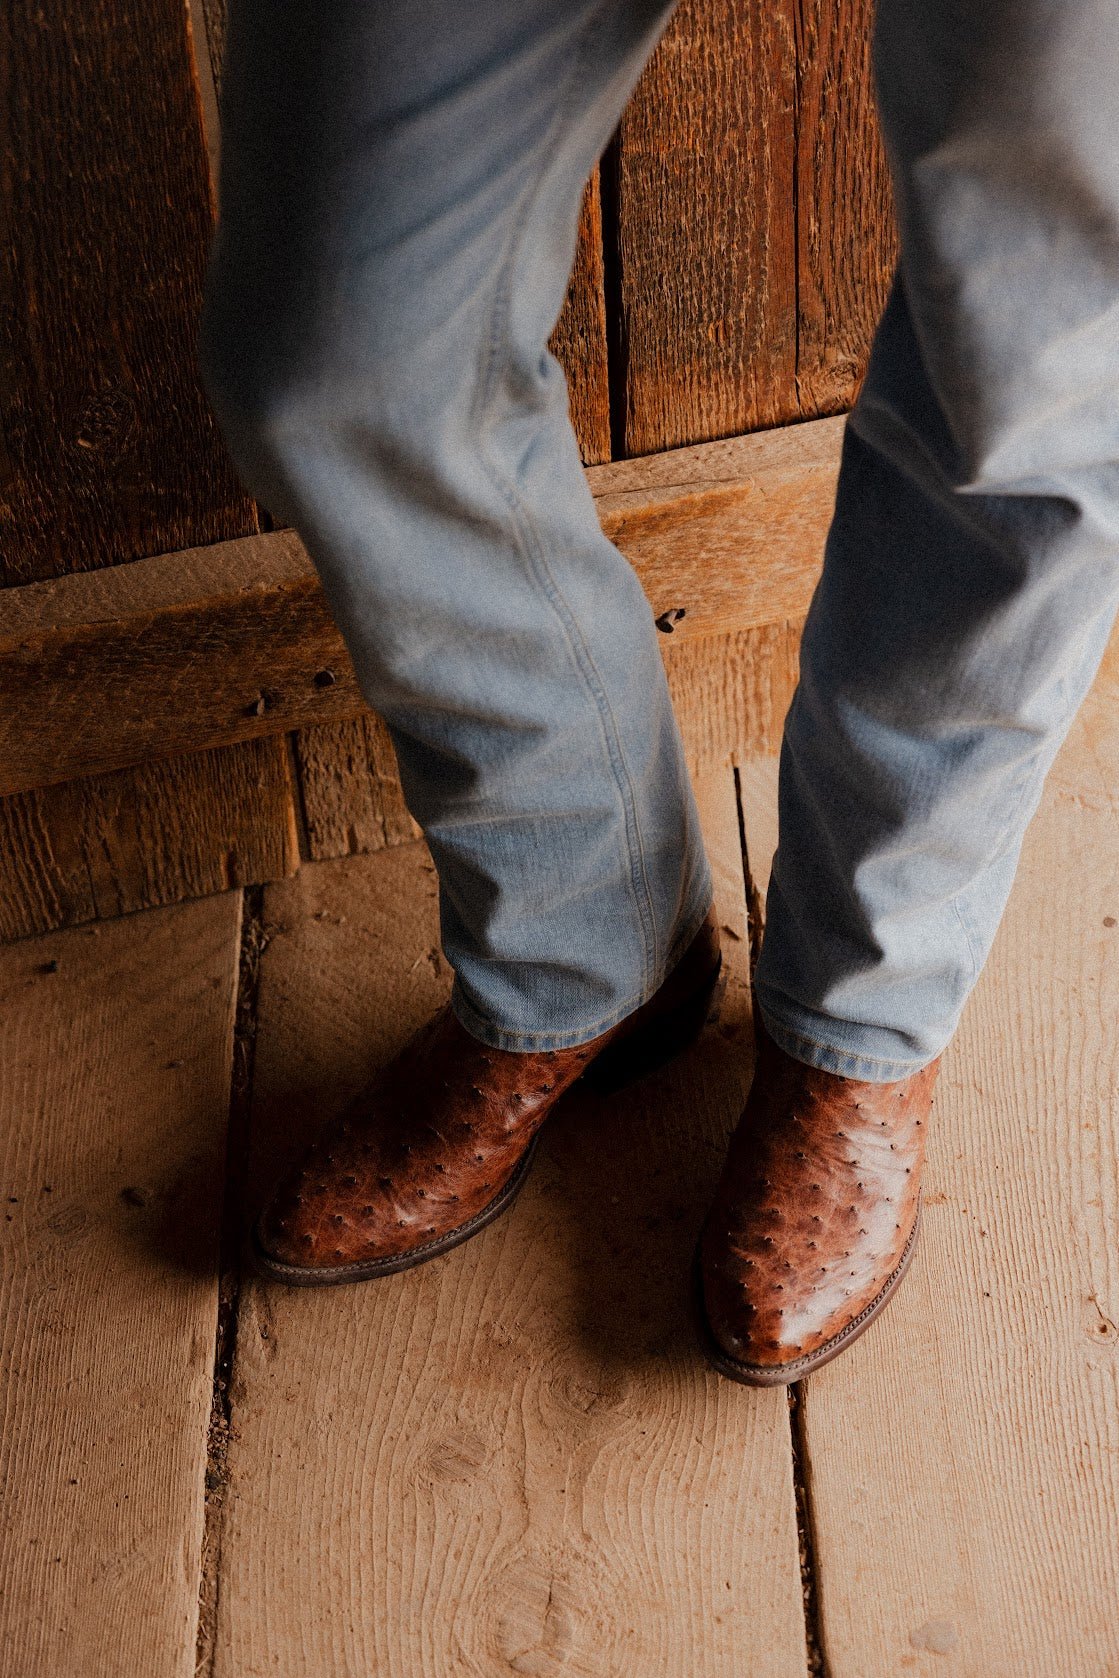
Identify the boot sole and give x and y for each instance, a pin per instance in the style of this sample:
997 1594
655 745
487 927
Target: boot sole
649 1049
784 1374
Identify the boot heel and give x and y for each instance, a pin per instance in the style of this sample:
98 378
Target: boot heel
653 1044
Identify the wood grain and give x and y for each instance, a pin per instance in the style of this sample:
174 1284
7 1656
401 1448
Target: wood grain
758 781
113 454
732 531
235 641
510 1460
352 799
113 451
755 235
706 236
115 1047
846 238
964 1456
180 828
177 653
730 693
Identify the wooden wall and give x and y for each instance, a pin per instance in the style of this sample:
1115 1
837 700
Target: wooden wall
734 252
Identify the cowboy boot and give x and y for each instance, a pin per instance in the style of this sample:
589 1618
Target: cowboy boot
442 1142
815 1217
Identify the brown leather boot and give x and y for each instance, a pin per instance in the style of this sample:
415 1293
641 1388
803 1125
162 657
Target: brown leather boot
815 1217
442 1141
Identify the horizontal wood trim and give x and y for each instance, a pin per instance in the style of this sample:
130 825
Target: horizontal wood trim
187 651
152 834
732 531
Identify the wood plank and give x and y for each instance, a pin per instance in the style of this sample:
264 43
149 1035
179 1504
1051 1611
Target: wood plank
115 1047
511 1459
172 654
209 37
730 693
846 238
733 531
758 786
206 26
706 228
183 827
352 800
234 641
113 451
965 1454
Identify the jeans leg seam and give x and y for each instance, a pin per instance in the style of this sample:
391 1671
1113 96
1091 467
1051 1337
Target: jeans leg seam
532 549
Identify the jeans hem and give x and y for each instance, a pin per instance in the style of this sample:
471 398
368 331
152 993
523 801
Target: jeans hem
530 1042
845 1063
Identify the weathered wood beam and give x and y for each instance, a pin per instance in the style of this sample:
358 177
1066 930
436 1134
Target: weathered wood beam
105 669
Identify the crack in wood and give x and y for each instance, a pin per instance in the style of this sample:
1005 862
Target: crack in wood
254 941
815 1659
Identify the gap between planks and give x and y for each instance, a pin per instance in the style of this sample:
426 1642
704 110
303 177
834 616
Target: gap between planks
252 944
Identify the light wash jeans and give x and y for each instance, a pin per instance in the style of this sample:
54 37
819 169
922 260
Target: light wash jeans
399 199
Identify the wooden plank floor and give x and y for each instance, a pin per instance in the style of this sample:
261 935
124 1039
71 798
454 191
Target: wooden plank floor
512 1460
114 1088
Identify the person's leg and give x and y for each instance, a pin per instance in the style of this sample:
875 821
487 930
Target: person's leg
970 581
400 192
400 189
972 569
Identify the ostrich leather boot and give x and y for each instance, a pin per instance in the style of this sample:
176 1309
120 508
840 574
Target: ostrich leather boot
442 1141
815 1217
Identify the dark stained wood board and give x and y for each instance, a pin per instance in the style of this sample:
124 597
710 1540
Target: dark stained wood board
846 238
113 452
350 786
754 237
706 229
579 340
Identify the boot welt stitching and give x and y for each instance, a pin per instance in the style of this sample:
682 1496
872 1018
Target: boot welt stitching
413 1254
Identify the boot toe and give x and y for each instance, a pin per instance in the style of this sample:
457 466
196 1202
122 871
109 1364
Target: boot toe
757 1341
